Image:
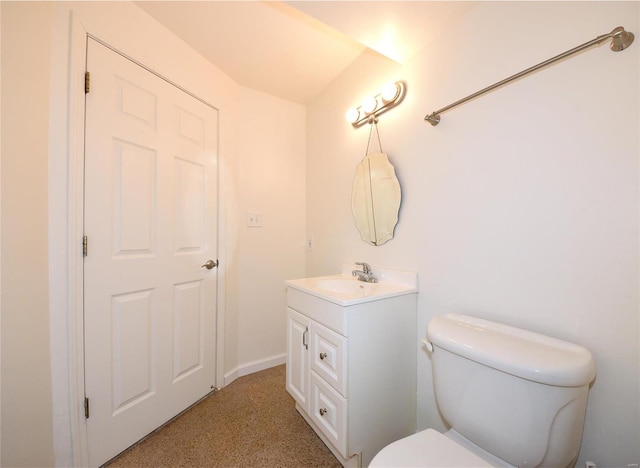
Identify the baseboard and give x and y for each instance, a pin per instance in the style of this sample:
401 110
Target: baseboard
255 366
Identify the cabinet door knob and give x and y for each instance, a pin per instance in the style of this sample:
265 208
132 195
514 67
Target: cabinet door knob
323 411
323 355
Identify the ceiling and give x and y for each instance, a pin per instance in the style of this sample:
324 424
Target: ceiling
293 50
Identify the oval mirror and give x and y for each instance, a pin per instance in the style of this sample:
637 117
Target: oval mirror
375 200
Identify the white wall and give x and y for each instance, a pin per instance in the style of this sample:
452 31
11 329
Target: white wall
26 375
521 206
271 178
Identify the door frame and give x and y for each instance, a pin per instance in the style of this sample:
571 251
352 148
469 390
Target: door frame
66 226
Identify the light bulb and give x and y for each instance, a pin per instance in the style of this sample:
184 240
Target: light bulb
353 115
390 92
369 105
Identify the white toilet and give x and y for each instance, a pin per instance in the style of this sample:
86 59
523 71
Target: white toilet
512 398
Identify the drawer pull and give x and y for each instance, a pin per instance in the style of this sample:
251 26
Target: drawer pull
323 411
323 355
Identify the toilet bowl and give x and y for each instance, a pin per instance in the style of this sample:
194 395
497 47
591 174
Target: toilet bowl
431 449
512 398
428 448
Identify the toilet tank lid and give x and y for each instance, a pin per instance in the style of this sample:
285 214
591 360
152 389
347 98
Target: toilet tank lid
518 352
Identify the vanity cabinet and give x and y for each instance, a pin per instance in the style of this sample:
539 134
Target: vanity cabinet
351 369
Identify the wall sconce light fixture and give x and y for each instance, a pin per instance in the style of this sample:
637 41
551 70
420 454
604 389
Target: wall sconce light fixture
368 112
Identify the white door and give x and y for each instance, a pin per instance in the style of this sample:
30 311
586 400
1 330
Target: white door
150 222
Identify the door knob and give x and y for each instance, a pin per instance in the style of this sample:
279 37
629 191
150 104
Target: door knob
210 264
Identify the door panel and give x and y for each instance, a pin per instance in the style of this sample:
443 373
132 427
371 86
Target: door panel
151 221
134 199
131 348
187 337
189 195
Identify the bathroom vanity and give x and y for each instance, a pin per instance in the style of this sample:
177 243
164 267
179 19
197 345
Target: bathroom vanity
351 359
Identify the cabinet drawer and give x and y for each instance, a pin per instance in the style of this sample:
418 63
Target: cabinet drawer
328 410
329 356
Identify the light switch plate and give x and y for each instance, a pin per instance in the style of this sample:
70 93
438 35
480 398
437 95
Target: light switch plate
254 219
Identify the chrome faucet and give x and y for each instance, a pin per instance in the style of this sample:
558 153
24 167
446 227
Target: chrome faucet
365 274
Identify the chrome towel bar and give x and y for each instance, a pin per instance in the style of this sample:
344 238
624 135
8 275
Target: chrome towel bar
620 40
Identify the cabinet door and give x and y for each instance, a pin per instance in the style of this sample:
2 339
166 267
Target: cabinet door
298 357
328 410
329 356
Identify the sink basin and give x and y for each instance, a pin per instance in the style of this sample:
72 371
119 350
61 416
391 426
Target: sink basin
345 285
346 290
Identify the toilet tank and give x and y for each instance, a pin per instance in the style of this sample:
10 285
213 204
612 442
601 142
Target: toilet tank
519 395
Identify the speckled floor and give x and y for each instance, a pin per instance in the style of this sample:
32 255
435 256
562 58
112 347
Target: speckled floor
250 423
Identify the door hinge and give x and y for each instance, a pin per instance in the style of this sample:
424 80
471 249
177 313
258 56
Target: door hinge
87 82
85 246
86 407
